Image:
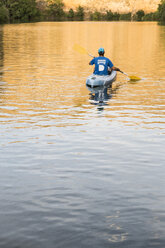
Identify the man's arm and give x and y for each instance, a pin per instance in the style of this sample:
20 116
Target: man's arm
111 66
115 68
92 61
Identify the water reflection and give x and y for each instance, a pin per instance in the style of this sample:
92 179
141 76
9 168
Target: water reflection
45 82
47 78
1 48
100 96
1 62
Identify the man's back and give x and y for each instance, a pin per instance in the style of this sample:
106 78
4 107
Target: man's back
101 65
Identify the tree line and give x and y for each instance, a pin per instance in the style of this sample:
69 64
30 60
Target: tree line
13 11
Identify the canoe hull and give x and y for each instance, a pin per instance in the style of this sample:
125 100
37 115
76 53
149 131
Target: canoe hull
94 81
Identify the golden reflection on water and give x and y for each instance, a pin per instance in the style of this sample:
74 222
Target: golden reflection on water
46 77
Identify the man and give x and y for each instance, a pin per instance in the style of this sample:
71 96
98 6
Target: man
103 65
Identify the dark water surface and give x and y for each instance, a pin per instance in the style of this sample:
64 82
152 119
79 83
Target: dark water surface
73 174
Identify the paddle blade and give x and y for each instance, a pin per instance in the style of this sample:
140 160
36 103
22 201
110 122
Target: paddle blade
80 49
134 78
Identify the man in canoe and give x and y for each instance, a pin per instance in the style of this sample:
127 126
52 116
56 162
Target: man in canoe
103 65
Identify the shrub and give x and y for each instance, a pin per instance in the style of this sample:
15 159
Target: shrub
4 14
161 11
125 17
109 16
23 10
150 17
96 16
139 15
71 14
55 9
116 16
80 13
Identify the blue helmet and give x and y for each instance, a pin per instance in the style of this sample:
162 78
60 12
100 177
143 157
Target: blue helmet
101 50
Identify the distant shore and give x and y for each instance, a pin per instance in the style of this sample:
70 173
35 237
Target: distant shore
33 11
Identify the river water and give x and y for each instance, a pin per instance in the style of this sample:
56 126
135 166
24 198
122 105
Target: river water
74 174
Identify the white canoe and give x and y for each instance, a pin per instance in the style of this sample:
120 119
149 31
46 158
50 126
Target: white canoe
100 81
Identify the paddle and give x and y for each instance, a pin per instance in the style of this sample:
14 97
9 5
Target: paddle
81 50
132 78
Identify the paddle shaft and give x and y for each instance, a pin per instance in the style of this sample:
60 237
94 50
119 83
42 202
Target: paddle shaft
132 78
90 55
124 73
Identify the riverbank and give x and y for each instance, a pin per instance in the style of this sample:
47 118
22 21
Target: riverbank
30 11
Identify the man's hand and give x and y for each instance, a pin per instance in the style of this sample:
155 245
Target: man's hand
117 69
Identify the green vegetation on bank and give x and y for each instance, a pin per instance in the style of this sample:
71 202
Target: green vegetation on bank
12 11
161 11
